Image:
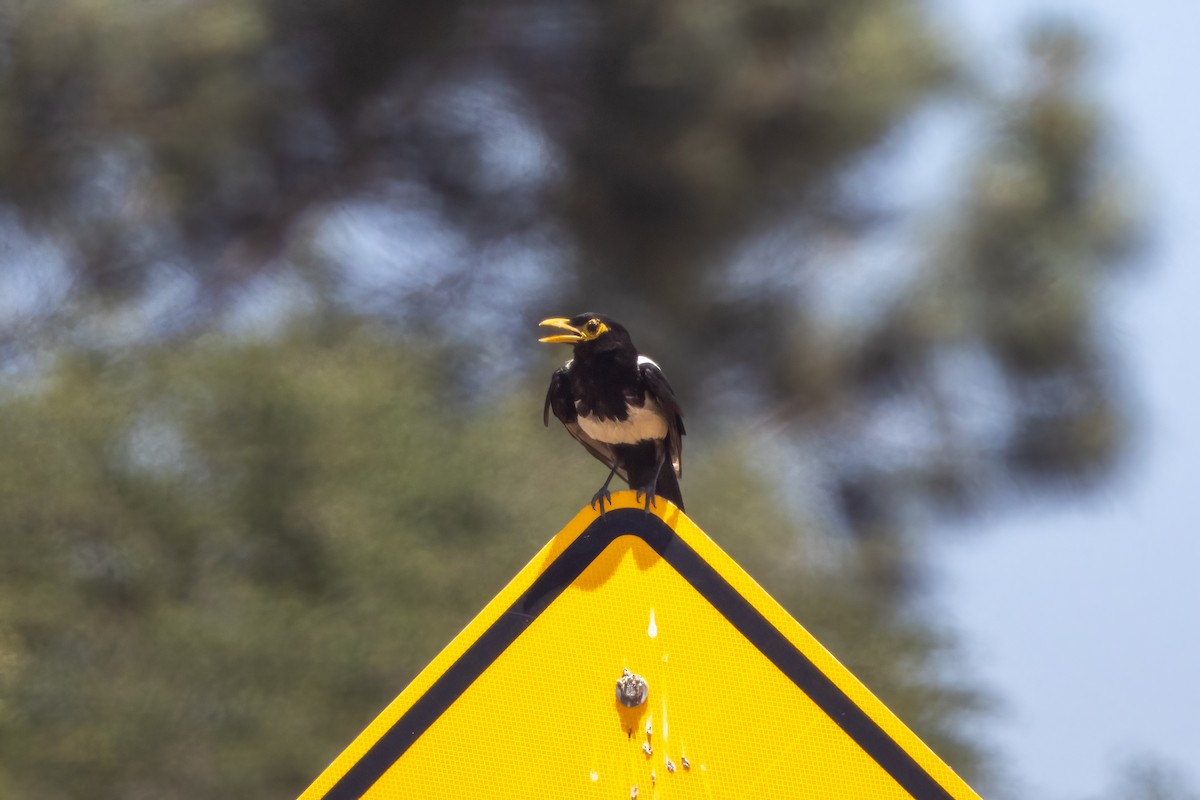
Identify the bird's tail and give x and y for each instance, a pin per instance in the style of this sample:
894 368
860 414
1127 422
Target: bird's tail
668 486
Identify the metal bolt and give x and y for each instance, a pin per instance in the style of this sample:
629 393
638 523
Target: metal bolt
631 689
647 749
686 763
670 765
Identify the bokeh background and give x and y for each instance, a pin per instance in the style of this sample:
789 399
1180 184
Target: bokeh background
270 274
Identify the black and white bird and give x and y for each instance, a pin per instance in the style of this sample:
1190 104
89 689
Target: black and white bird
619 406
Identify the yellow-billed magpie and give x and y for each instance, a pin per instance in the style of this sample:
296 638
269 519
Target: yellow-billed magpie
619 406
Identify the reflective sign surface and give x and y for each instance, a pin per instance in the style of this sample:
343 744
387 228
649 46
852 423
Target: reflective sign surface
723 694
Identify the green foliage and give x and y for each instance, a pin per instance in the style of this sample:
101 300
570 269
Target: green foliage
220 557
705 171
220 561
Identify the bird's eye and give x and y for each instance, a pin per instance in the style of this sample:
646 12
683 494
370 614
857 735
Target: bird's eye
592 328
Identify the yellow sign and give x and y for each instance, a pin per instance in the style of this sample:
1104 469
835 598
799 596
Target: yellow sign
632 658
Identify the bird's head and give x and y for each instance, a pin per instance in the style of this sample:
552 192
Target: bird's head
589 332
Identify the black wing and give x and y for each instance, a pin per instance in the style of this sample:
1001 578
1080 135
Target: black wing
561 401
656 385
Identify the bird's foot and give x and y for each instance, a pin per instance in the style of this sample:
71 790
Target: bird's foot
650 494
602 496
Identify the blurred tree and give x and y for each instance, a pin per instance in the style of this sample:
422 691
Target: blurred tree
698 169
1147 777
713 173
221 561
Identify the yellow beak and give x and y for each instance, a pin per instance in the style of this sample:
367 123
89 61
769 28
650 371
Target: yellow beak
562 338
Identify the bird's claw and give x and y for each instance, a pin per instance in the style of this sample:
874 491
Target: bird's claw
601 497
650 496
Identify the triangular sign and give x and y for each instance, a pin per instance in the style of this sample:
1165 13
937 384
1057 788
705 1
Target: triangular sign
738 700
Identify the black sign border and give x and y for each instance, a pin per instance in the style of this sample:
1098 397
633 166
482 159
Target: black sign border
560 574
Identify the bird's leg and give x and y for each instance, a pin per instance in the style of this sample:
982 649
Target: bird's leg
651 489
602 494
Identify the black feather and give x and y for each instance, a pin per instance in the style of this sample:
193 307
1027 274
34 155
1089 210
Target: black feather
615 394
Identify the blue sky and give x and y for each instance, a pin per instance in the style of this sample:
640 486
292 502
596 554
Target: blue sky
1084 618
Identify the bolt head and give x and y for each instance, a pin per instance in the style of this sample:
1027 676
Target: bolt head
632 689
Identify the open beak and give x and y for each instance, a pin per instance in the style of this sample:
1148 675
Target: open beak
562 338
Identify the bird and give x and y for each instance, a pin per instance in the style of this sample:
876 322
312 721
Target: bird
617 404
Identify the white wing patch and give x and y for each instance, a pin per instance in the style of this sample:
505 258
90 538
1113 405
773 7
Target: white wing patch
644 424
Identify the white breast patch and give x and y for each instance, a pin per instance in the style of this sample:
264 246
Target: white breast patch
644 424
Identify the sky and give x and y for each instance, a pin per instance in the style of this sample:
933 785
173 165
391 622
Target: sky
1082 617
